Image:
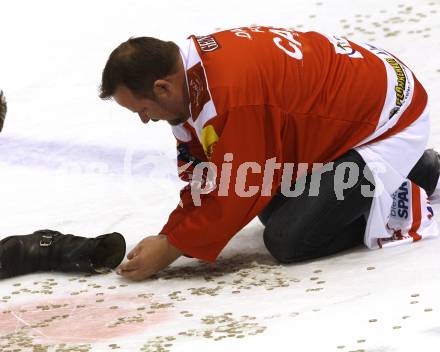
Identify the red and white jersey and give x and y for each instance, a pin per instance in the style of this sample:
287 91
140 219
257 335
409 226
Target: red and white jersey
260 93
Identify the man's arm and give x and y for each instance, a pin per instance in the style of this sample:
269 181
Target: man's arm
251 134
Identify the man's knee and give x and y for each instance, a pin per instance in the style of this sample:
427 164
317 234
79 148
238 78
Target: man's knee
275 203
282 248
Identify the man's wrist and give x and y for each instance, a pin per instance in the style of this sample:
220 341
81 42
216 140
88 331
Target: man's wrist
172 251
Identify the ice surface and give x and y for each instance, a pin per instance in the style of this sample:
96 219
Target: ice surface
73 163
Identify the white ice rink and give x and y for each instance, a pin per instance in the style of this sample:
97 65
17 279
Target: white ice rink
73 163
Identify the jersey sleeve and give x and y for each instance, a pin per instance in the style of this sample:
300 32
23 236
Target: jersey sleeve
252 134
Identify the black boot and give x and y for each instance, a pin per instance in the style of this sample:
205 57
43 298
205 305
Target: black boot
47 250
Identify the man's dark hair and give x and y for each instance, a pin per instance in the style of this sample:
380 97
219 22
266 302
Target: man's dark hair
136 64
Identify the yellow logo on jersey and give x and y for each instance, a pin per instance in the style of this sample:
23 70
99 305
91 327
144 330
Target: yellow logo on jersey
209 140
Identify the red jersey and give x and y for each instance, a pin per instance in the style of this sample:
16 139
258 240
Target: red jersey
260 93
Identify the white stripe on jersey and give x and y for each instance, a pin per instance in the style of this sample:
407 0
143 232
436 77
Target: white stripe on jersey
391 112
191 58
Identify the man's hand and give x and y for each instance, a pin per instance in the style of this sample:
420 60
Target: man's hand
152 254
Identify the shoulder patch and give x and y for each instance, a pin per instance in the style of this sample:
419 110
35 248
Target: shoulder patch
207 43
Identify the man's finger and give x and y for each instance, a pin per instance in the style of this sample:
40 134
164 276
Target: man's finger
134 252
134 275
130 265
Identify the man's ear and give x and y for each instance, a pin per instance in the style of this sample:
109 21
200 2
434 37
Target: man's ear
162 88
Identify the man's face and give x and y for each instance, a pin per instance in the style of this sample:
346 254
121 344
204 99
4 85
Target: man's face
168 109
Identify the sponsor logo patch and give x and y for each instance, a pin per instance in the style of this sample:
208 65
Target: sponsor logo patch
209 140
186 162
400 205
400 87
207 43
